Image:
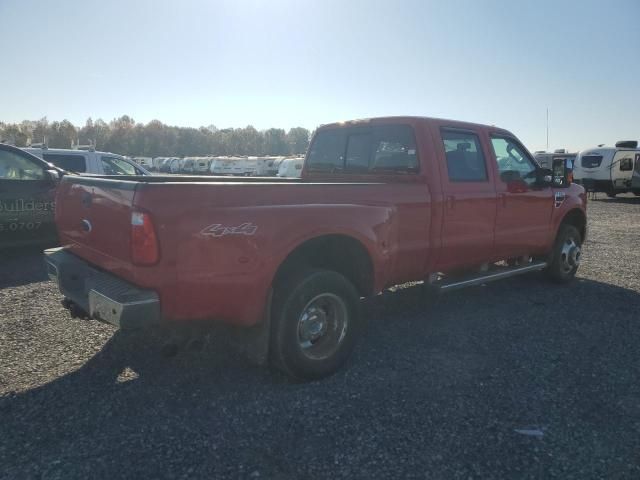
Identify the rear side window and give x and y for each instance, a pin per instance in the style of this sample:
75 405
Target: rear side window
465 160
389 148
394 149
70 163
591 161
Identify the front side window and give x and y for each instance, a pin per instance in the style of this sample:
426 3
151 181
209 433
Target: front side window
465 160
70 163
117 166
14 166
513 161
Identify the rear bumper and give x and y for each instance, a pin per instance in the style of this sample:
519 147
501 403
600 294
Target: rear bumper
102 295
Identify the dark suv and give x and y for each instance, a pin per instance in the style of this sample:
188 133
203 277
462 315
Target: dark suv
27 198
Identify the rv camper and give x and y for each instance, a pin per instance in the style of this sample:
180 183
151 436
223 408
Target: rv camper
291 167
607 169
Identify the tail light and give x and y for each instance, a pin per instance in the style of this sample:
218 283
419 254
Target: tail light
144 242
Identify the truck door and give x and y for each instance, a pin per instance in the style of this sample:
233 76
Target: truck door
26 199
523 223
469 198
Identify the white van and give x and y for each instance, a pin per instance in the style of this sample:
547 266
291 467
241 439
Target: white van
291 167
89 161
607 169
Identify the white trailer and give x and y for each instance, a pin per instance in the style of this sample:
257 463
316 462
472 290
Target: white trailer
607 169
635 180
203 164
291 167
221 166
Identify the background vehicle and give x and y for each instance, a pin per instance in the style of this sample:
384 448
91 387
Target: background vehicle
545 159
157 163
88 161
635 180
607 169
170 165
27 203
380 202
145 162
291 167
188 165
203 164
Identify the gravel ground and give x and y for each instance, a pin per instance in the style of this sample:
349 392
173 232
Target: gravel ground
518 379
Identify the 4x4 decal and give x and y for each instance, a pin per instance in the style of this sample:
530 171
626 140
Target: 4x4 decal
218 230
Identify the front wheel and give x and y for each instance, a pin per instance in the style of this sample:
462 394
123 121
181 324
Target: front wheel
315 324
565 258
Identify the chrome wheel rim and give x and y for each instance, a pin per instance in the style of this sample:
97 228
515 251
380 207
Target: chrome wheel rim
322 326
570 255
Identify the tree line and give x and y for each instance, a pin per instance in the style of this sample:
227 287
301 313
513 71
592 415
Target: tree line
126 137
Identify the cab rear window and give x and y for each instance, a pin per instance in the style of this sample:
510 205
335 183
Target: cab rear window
70 163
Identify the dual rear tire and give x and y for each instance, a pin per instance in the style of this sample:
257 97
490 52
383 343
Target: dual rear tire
315 323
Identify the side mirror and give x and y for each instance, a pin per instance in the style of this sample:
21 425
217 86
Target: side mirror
562 172
53 175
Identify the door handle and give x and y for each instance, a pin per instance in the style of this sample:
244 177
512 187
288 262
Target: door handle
503 196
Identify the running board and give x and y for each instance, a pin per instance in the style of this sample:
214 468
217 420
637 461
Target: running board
444 286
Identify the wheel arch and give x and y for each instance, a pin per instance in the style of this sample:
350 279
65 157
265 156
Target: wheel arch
339 252
577 218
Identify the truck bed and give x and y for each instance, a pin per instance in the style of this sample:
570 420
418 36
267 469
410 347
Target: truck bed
241 235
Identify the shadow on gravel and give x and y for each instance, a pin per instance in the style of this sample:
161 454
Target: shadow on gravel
627 200
437 388
21 266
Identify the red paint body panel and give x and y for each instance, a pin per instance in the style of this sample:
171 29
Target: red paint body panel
411 225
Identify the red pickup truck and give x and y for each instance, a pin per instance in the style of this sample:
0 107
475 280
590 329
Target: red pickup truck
381 202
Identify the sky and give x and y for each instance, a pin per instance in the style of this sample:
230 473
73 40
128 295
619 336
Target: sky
287 63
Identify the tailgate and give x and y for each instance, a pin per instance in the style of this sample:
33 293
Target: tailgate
93 217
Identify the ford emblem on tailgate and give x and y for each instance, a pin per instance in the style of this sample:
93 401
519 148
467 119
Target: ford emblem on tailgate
86 225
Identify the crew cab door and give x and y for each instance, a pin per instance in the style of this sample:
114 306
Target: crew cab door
469 200
26 199
525 207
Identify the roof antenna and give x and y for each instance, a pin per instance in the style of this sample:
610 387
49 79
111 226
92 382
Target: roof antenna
547 128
